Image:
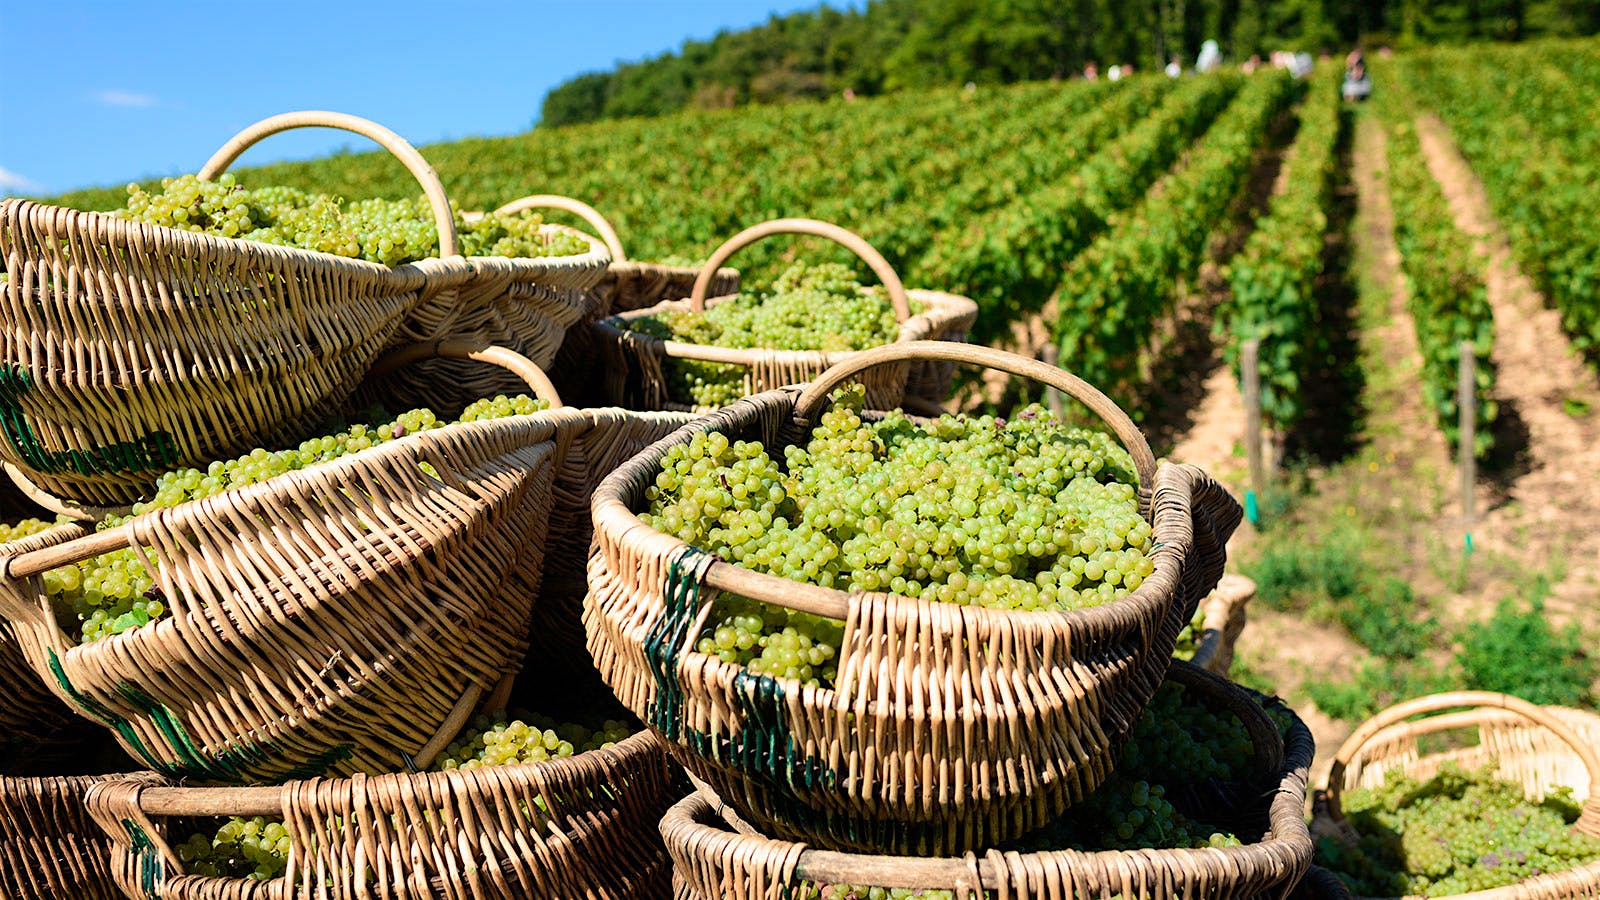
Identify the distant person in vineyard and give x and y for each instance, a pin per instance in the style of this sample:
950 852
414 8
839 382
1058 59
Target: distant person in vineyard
1114 73
1357 84
1210 57
1250 65
1091 71
1174 68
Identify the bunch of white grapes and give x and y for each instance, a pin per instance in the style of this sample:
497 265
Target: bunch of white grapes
1026 514
390 232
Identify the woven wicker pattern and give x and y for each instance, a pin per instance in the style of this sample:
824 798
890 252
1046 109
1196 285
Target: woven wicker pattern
30 715
331 619
713 860
129 349
1535 746
585 826
49 847
634 363
899 754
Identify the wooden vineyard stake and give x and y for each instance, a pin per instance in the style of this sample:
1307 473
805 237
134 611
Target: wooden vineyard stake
1250 375
1466 446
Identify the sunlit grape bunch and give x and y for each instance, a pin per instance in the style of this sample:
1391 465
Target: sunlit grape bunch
256 848
25 528
810 307
500 741
1025 514
1189 638
389 232
116 591
1454 833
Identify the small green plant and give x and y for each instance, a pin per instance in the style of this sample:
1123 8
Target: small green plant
1517 652
1576 407
1382 620
1377 685
1290 575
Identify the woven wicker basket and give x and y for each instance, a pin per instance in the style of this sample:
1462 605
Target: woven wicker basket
634 362
1226 613
716 855
32 719
627 286
1539 747
342 618
524 305
130 349
49 847
463 835
899 755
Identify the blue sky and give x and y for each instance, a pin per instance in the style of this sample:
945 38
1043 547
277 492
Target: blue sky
105 92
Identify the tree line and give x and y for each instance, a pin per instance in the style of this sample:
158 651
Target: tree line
890 45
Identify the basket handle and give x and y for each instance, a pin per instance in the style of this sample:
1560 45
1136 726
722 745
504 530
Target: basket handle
36 562
443 218
1385 722
844 237
578 208
816 394
72 509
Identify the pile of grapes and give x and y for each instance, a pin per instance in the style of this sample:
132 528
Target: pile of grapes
819 307
259 847
1457 832
1175 742
1026 514
24 528
115 591
390 232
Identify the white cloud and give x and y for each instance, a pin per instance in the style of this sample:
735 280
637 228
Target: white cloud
125 99
12 182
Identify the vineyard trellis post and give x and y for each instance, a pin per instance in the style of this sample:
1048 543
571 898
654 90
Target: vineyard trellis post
1466 446
1250 386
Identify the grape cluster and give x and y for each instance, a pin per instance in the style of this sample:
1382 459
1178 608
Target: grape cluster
115 591
25 528
1024 514
1189 638
819 307
390 232
526 739
1457 832
256 848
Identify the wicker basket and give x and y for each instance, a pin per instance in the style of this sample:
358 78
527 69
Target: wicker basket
899 756
716 855
634 362
130 349
1226 612
49 847
32 719
524 305
1320 884
1539 747
342 618
626 286
463 835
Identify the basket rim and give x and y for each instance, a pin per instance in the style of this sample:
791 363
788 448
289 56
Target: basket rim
597 256
613 515
552 422
1286 825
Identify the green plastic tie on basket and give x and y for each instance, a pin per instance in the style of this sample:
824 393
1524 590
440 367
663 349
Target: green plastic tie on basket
152 871
108 718
663 646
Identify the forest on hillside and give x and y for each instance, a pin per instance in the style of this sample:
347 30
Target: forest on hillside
890 45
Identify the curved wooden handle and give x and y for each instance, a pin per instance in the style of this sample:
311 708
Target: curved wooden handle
578 208
36 562
844 237
1144 460
1383 722
508 359
443 218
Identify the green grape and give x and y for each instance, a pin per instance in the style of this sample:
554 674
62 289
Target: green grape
389 232
1019 515
1454 833
256 848
819 307
525 739
27 528
1189 638
116 591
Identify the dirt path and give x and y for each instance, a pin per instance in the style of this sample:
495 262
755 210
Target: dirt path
1552 509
